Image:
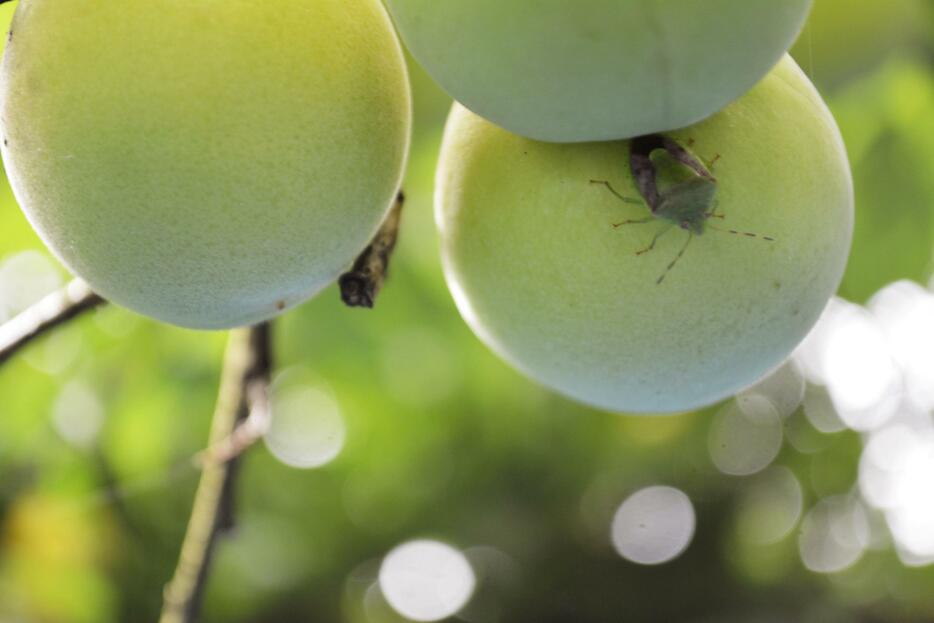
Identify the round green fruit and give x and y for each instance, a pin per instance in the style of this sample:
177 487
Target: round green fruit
846 38
541 274
557 70
206 163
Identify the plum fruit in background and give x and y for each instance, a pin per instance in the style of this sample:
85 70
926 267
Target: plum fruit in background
844 39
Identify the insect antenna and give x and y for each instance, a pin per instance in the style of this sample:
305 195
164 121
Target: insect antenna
747 234
677 258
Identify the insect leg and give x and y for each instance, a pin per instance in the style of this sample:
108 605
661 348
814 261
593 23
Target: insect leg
636 221
677 258
710 164
713 211
615 192
654 241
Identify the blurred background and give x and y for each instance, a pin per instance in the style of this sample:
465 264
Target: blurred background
411 475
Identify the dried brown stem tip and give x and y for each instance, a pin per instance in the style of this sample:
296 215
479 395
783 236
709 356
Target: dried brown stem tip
54 310
362 284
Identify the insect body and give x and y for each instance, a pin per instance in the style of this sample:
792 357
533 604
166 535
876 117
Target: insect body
687 203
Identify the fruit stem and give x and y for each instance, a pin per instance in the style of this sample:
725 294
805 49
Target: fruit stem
362 284
54 310
244 380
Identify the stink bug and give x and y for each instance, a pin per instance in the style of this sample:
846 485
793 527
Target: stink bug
687 204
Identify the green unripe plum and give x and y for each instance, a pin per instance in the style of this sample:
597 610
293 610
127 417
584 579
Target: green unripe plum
845 38
543 277
591 70
206 163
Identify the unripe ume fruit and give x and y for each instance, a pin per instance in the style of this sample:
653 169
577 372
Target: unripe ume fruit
844 39
579 70
206 163
548 248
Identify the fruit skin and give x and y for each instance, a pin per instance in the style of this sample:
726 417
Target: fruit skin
206 163
543 278
557 70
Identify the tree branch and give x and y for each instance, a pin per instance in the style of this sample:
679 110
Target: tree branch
247 369
362 284
245 435
54 310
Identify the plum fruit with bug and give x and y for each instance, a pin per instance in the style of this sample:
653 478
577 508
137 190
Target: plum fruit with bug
208 164
564 71
572 262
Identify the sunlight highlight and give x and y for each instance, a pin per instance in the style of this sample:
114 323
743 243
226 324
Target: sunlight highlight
746 435
426 580
25 278
784 388
770 510
905 312
872 370
834 535
77 414
654 526
306 429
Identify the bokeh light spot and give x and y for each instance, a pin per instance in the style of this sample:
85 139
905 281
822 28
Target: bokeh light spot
834 535
77 414
784 388
820 411
905 314
746 436
426 580
25 278
769 510
848 352
306 429
654 525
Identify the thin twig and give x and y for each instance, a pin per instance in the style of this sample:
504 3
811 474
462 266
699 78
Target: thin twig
362 284
247 367
54 310
245 435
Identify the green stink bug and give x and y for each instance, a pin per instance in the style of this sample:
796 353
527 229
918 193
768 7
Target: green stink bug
687 204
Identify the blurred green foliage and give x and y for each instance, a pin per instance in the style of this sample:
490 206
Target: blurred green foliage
444 440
